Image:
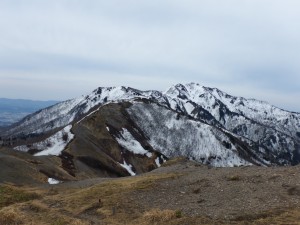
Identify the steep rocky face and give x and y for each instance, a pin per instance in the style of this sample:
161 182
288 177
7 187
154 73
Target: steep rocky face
121 131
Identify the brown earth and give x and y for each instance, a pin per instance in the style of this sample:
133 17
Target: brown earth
180 192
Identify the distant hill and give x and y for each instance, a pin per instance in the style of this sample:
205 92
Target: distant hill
12 110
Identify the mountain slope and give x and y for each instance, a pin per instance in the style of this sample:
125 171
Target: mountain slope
175 135
105 143
270 127
72 110
121 130
223 107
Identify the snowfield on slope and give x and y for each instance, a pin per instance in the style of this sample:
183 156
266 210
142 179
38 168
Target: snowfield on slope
53 145
128 142
182 137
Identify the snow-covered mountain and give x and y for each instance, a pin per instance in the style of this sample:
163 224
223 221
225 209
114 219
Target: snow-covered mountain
201 123
69 111
274 129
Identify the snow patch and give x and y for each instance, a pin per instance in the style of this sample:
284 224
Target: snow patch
22 148
131 144
53 145
157 162
128 167
57 142
189 107
53 181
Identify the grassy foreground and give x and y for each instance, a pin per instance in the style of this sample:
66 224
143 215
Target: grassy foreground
104 203
111 202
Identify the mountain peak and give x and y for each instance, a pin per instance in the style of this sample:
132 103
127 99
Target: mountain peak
260 126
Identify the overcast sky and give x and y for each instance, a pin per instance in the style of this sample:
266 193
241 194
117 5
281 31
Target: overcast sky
60 49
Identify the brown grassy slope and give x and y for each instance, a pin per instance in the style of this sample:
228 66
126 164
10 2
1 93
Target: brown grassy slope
22 168
104 203
96 153
93 152
181 193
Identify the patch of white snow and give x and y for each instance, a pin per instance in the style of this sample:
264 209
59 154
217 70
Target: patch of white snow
55 144
157 162
128 167
52 145
53 181
128 142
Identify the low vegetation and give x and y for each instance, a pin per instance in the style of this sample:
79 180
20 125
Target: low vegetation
11 195
131 200
174 161
234 178
108 202
9 217
158 216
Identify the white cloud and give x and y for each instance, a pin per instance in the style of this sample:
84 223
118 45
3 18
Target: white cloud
149 44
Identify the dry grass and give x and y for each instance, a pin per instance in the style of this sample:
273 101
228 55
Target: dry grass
158 216
9 217
174 161
10 195
111 202
276 216
234 178
107 202
37 206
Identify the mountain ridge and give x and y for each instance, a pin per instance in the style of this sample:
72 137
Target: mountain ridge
201 123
